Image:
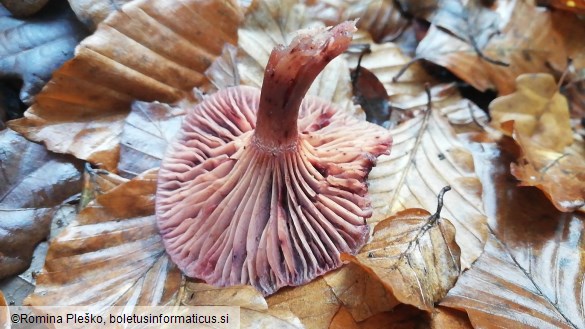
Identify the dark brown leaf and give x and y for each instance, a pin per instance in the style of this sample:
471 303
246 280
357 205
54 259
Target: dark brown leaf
33 48
19 8
33 183
147 50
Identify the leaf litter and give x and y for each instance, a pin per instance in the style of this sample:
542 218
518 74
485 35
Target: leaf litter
344 300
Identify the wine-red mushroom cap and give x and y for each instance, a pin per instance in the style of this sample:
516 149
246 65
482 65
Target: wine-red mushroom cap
260 188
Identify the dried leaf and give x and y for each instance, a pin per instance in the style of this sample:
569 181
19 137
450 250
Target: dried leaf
561 176
5 323
381 18
33 182
147 131
111 255
92 12
537 116
444 317
148 50
371 95
275 22
540 113
415 255
530 40
33 49
402 317
20 231
361 293
314 303
531 272
19 8
254 311
426 156
499 292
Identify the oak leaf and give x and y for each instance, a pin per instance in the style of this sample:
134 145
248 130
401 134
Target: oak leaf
91 12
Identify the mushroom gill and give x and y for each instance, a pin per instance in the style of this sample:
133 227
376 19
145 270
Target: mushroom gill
267 188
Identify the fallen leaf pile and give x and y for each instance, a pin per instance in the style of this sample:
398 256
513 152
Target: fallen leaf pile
478 213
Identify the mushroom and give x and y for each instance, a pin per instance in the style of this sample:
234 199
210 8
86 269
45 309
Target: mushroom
267 187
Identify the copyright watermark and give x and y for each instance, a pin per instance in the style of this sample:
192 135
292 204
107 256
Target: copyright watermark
120 317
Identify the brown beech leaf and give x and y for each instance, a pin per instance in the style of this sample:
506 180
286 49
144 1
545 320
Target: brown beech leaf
529 40
92 12
360 292
537 116
531 273
111 255
444 317
33 183
147 130
415 255
273 22
34 48
381 18
254 311
147 50
426 156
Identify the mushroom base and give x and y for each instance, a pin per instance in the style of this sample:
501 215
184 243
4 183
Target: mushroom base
231 211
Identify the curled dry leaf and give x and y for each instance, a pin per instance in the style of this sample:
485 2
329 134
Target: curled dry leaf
530 40
34 48
444 317
415 255
111 255
33 182
254 311
92 12
537 116
148 50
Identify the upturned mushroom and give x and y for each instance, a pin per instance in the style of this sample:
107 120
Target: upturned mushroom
267 187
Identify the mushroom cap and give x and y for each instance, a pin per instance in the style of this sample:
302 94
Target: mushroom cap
231 211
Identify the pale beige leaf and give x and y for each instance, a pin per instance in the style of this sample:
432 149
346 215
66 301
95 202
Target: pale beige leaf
111 255
92 12
147 130
276 22
415 255
426 156
147 50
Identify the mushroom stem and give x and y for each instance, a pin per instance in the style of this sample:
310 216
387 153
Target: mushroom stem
288 76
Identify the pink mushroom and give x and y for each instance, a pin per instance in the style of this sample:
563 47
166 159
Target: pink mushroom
267 187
